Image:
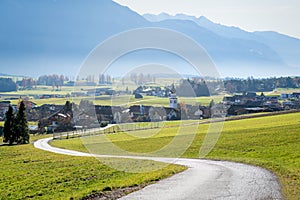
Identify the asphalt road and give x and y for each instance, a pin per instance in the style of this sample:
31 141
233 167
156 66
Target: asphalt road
204 179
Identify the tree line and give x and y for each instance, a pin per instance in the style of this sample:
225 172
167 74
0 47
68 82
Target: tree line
192 88
16 126
105 79
260 85
200 87
140 79
7 85
52 80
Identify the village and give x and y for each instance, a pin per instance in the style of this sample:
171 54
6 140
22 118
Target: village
51 118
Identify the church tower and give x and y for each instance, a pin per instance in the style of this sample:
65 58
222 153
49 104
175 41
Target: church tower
173 98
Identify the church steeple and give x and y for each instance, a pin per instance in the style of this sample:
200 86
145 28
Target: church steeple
173 98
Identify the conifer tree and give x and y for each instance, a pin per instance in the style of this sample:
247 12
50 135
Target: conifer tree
211 104
21 129
8 130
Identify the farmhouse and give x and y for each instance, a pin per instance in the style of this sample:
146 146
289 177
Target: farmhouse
111 114
4 108
100 91
58 121
296 95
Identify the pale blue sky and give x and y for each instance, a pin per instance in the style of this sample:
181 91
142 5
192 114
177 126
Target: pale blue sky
277 15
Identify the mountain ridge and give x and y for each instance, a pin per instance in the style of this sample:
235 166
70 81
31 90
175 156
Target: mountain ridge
287 47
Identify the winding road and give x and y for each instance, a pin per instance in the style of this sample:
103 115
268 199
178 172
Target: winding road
204 179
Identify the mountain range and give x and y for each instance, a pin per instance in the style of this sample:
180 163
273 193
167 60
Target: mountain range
46 37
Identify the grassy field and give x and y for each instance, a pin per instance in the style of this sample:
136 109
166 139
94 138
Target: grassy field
26 172
30 123
124 100
271 142
40 90
279 91
108 100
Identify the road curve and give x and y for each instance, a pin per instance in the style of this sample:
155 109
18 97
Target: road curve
204 179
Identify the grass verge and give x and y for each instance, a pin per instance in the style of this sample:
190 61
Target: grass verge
26 172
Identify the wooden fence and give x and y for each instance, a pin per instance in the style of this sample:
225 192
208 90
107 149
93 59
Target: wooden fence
110 129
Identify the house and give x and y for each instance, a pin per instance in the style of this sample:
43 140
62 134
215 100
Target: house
250 102
100 91
242 99
33 129
150 113
138 96
236 99
293 104
111 114
206 112
194 112
250 94
288 105
286 96
139 113
47 96
241 110
84 119
157 114
59 121
4 105
152 91
272 105
40 112
296 95
78 94
218 110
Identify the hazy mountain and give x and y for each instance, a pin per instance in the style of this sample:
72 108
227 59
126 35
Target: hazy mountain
44 37
50 36
232 56
287 48
226 31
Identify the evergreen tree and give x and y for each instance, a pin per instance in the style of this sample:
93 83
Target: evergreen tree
68 107
211 104
21 125
8 132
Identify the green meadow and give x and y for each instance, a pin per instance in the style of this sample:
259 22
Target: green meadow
29 173
116 100
30 123
124 100
271 142
279 91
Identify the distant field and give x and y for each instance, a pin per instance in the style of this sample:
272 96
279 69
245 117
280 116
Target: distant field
40 90
30 123
270 142
29 173
279 91
124 100
156 101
